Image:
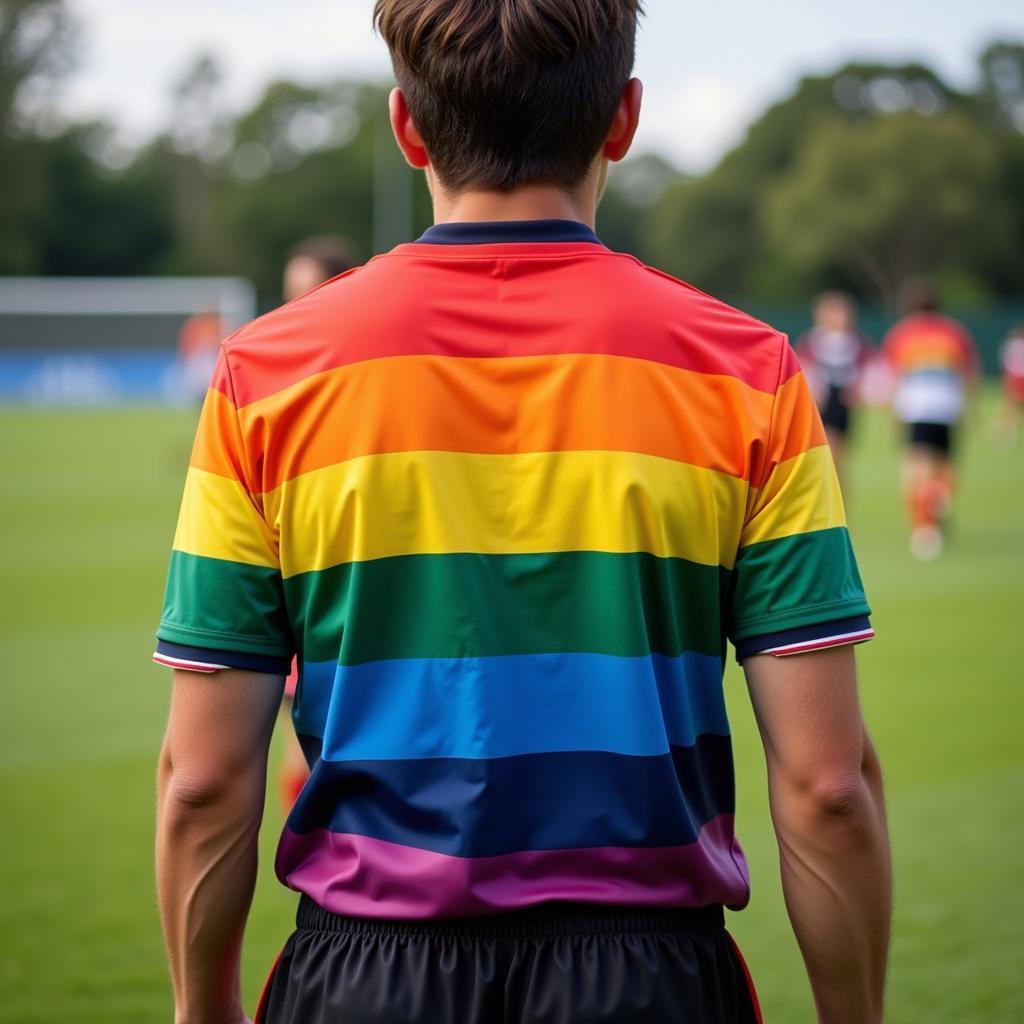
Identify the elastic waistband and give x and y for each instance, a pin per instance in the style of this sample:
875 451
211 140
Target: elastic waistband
540 921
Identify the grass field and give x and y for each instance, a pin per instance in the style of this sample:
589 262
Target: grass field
87 511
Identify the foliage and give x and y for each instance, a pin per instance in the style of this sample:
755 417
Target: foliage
1002 85
36 38
882 199
856 180
302 164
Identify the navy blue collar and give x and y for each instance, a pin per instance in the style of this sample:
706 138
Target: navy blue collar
499 231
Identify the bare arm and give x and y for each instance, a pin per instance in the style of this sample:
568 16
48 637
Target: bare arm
825 788
211 783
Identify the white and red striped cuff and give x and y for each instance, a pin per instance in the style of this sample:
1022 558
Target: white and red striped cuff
815 637
202 659
186 663
836 640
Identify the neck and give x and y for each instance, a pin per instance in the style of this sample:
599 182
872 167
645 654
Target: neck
531 202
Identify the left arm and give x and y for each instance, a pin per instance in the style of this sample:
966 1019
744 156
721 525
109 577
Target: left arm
211 783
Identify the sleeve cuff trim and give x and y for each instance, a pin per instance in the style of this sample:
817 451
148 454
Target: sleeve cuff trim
816 645
202 659
798 640
192 666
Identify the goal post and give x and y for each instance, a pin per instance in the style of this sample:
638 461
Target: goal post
105 340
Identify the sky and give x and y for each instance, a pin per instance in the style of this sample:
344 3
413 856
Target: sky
708 69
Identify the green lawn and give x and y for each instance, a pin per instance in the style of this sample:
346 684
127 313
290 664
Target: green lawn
87 511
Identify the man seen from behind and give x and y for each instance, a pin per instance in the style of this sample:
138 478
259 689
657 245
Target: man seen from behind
508 496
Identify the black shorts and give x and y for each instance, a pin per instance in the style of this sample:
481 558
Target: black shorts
938 437
560 963
835 410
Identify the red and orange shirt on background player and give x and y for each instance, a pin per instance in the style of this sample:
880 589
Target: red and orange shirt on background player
508 495
932 359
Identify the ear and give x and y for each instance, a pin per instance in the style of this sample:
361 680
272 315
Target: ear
407 135
627 117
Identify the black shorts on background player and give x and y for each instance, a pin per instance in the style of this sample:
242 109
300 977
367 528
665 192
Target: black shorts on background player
835 410
936 436
561 963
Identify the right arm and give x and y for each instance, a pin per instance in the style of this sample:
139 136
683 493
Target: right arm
825 789
225 628
211 785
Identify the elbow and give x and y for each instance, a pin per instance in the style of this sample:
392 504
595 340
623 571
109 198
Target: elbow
840 799
198 806
201 788
187 784
187 792
840 810
192 785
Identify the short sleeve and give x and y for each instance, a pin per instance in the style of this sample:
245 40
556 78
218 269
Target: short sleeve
224 602
796 585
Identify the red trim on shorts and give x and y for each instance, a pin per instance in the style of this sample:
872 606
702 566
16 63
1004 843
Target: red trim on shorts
261 1006
750 981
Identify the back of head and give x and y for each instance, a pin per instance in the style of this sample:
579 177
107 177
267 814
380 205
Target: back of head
918 295
510 92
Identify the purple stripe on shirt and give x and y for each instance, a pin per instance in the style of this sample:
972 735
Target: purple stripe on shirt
364 877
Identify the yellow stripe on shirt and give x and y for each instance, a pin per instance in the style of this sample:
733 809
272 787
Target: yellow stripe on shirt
219 520
431 502
801 495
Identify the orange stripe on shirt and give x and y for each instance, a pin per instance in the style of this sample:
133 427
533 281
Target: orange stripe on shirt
504 406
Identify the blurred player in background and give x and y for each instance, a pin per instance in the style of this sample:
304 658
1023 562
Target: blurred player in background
1006 429
934 366
313 261
198 346
310 263
833 354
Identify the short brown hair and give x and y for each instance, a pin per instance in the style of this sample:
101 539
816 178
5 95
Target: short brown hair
510 92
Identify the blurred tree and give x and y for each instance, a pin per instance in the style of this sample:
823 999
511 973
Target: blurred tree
36 39
84 218
883 199
708 230
62 209
1002 98
99 221
1002 85
848 182
200 133
301 163
635 188
36 46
